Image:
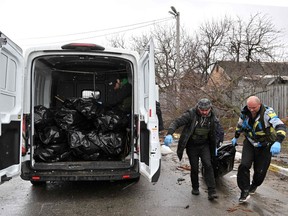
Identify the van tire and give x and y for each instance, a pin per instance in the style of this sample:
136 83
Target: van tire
38 183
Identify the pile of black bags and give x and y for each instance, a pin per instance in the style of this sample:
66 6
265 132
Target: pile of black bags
82 129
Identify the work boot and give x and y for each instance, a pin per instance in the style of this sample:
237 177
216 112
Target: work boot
212 195
252 189
244 196
195 191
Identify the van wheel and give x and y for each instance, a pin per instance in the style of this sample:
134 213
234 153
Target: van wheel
38 183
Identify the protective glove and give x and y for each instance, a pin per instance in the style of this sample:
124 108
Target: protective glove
275 148
168 140
234 141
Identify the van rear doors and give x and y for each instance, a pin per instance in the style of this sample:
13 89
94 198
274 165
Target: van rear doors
150 156
11 80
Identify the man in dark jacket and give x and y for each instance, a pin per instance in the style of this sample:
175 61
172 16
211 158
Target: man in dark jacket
199 139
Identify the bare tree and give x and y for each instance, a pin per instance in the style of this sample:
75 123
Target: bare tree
117 41
211 38
226 39
255 40
171 82
234 40
260 38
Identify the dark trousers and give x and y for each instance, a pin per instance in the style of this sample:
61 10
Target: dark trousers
260 157
195 152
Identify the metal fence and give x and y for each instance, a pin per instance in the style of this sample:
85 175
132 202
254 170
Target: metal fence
276 97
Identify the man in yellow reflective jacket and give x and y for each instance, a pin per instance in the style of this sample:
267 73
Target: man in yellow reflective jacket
264 133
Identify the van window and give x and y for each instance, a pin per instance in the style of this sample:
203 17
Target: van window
8 75
3 70
11 84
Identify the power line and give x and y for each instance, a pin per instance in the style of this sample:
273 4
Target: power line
100 30
106 34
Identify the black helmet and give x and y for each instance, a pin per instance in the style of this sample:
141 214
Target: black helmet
204 104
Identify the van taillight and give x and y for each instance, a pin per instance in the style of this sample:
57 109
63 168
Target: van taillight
82 47
126 177
35 178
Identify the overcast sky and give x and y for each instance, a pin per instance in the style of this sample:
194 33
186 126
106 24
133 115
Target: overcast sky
34 22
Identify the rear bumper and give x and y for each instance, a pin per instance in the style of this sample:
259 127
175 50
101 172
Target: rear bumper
27 173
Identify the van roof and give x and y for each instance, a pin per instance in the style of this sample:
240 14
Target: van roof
54 48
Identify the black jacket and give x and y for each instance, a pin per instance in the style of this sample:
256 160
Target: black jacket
188 120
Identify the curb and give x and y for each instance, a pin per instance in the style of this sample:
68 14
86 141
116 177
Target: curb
274 168
278 169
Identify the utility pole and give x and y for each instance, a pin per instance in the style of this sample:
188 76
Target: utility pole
176 14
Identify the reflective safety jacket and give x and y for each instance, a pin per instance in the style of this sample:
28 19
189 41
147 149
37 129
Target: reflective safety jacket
266 128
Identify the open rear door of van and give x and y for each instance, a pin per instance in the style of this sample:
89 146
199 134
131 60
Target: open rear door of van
150 155
11 88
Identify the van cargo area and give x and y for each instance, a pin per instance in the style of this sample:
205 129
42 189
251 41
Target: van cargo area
80 127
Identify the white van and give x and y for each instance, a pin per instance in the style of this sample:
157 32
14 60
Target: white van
78 112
